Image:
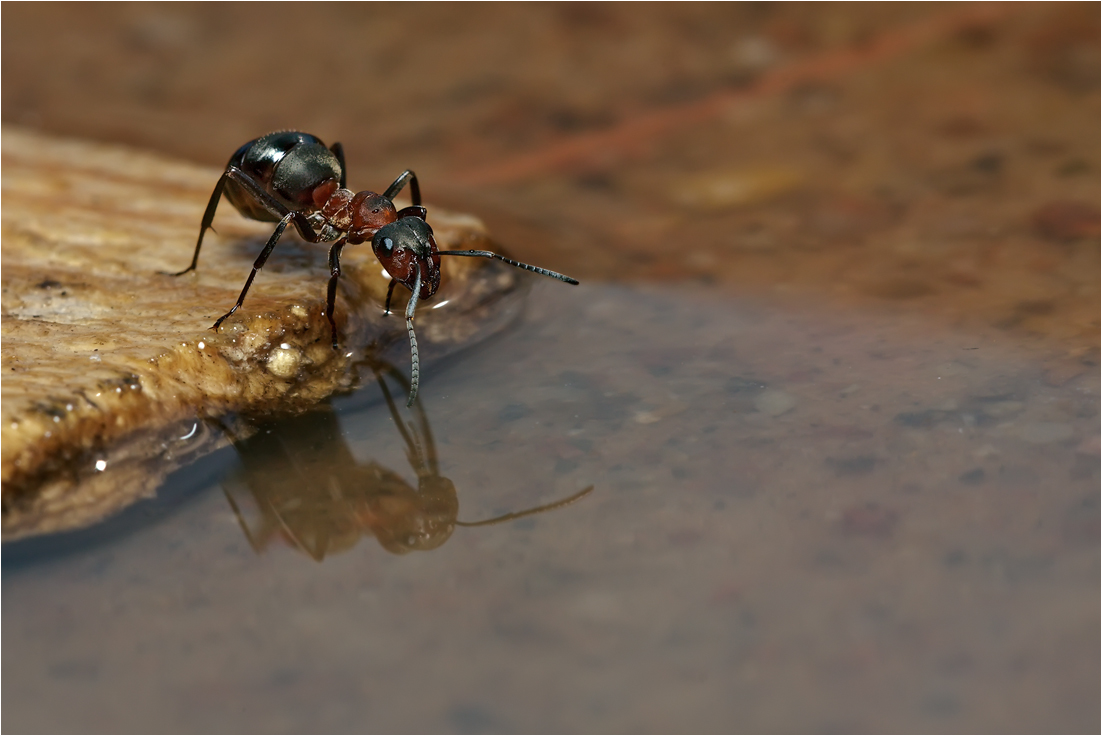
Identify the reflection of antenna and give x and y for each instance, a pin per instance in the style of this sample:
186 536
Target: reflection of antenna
423 462
421 451
529 512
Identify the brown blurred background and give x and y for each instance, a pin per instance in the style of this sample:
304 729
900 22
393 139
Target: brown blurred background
942 158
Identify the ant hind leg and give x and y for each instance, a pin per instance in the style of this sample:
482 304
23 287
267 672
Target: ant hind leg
265 200
270 203
338 151
208 218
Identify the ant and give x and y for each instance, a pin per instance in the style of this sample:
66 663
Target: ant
291 177
310 491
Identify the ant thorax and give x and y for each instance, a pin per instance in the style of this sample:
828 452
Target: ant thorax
360 215
326 232
336 211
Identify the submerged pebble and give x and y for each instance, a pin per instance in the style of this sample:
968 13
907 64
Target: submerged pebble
774 402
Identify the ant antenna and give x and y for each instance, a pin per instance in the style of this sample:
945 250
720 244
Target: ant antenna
415 371
529 512
511 262
422 452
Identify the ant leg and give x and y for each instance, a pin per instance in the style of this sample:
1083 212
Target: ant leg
405 177
208 218
390 293
258 547
338 151
259 264
270 203
262 197
511 262
415 211
335 273
415 367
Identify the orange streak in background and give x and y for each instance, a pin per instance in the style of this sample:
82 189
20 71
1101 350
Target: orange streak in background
634 134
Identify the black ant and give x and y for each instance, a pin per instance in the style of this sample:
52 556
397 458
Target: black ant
291 177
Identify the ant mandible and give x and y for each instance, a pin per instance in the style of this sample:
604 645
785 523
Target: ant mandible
292 177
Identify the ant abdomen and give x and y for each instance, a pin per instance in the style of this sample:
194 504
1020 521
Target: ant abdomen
290 166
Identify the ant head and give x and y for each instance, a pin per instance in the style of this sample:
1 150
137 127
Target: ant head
416 521
406 247
371 211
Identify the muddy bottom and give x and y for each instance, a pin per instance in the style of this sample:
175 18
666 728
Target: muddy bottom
801 521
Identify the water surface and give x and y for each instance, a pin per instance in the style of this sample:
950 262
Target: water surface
802 520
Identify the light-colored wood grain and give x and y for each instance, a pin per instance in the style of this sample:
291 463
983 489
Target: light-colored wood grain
108 363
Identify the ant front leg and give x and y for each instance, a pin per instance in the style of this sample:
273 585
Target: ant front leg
389 294
335 273
405 177
259 264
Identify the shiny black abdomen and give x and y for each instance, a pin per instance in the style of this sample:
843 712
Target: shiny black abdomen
289 165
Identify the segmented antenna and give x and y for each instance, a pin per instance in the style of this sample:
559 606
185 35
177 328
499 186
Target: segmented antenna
415 370
511 262
528 512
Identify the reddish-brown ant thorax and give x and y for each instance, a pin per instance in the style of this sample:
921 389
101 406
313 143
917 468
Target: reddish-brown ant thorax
337 210
370 211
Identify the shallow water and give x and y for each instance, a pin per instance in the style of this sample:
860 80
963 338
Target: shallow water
801 521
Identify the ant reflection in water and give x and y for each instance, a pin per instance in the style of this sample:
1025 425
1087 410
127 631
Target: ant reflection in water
310 491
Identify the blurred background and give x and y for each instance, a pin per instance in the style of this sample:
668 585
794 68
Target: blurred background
832 370
939 157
